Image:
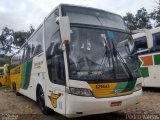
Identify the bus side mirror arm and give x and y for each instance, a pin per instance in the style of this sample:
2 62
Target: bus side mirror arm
62 46
64 31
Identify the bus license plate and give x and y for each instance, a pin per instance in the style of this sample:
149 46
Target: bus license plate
113 104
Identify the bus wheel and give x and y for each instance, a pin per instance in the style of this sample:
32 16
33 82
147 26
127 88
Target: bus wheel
41 102
15 89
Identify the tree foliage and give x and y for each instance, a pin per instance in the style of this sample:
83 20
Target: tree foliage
138 21
143 19
20 36
130 21
155 15
6 39
11 40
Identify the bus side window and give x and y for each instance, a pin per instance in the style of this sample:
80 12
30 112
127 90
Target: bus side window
18 54
38 41
38 49
55 61
33 47
21 55
25 53
28 51
156 39
141 43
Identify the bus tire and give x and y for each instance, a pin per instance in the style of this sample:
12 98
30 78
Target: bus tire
15 89
41 102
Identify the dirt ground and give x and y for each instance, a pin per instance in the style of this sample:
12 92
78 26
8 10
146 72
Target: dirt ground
21 107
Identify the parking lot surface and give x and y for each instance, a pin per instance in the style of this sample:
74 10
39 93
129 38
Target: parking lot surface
21 107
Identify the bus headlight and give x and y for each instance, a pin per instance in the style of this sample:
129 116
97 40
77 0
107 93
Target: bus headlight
80 92
138 87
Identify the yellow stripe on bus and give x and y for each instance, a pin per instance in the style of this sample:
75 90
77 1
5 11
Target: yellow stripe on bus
107 90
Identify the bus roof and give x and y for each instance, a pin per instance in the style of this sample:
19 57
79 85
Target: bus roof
91 8
142 34
155 30
92 16
138 35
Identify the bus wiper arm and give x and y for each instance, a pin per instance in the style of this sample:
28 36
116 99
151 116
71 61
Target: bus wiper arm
125 65
106 56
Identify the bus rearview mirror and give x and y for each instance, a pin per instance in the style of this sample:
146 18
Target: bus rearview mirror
64 29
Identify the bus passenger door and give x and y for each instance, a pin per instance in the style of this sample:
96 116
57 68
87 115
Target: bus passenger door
56 71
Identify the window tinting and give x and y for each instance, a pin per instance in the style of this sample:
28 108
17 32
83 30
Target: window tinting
141 43
156 39
38 41
55 62
23 54
30 49
90 16
50 28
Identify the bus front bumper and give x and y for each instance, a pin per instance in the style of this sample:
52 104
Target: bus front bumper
77 106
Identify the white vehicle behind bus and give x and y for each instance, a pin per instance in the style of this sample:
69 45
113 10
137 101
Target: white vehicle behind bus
148 45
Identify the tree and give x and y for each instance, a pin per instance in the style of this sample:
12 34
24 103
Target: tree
130 21
139 21
20 36
10 40
155 15
143 19
7 39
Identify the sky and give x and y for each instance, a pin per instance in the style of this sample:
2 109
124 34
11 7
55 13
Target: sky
20 14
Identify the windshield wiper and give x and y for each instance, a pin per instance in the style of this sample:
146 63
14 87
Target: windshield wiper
123 62
106 55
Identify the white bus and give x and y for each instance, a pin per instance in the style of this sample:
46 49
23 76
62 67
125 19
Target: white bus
148 45
80 61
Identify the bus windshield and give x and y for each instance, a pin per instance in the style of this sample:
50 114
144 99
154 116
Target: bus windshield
96 54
